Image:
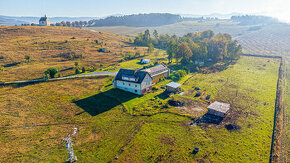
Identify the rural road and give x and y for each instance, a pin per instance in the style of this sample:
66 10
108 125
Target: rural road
103 73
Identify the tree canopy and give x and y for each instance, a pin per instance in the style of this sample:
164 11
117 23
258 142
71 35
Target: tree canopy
200 46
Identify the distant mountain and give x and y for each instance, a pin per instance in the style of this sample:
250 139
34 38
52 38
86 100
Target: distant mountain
254 20
140 20
13 20
213 15
5 20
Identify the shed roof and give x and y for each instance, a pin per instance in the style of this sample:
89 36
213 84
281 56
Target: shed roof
219 106
139 75
153 70
173 85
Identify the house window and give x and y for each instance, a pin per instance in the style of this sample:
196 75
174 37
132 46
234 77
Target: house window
129 84
135 90
123 83
135 85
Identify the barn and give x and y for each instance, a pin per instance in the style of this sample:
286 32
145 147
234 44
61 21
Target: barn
218 109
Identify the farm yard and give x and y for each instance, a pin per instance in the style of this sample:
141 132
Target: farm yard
119 126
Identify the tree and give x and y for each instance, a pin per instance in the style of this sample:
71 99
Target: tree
183 52
146 36
208 34
83 70
68 23
51 72
77 71
150 48
27 58
76 64
155 34
171 50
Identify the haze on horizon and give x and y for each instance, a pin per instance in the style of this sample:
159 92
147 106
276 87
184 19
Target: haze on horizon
96 8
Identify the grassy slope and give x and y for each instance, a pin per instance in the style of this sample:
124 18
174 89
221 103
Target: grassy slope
253 110
43 44
38 116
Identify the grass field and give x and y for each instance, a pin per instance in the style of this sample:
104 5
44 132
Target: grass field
51 46
287 109
113 123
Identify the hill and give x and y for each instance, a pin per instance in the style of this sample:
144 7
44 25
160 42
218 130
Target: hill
254 20
270 39
58 47
18 20
140 20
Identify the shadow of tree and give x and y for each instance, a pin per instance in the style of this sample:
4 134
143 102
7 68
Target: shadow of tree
104 101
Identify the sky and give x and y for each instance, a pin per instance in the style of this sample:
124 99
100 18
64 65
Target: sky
100 8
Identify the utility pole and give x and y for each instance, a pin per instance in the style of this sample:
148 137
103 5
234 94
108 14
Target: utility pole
69 147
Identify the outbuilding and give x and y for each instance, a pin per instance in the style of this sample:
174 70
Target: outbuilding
145 61
173 87
218 109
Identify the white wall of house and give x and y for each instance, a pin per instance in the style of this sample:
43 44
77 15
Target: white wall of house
147 82
132 86
128 86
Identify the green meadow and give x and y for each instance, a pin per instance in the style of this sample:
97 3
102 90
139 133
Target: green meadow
117 126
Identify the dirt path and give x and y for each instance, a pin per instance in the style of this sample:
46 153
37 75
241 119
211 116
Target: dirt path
103 73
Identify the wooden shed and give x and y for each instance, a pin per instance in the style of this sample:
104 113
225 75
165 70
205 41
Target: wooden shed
173 87
218 109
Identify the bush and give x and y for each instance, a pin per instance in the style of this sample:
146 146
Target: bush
92 69
51 72
83 70
77 71
177 75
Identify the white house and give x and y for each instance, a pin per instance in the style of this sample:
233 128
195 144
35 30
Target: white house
137 82
44 21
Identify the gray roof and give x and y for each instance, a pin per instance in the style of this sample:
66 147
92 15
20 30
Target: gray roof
219 106
43 18
139 75
173 85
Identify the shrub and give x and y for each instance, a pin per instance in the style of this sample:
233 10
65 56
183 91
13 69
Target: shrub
77 71
83 70
1 68
92 69
27 58
51 72
177 75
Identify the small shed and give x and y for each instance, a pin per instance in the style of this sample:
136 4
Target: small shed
218 109
173 87
144 61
